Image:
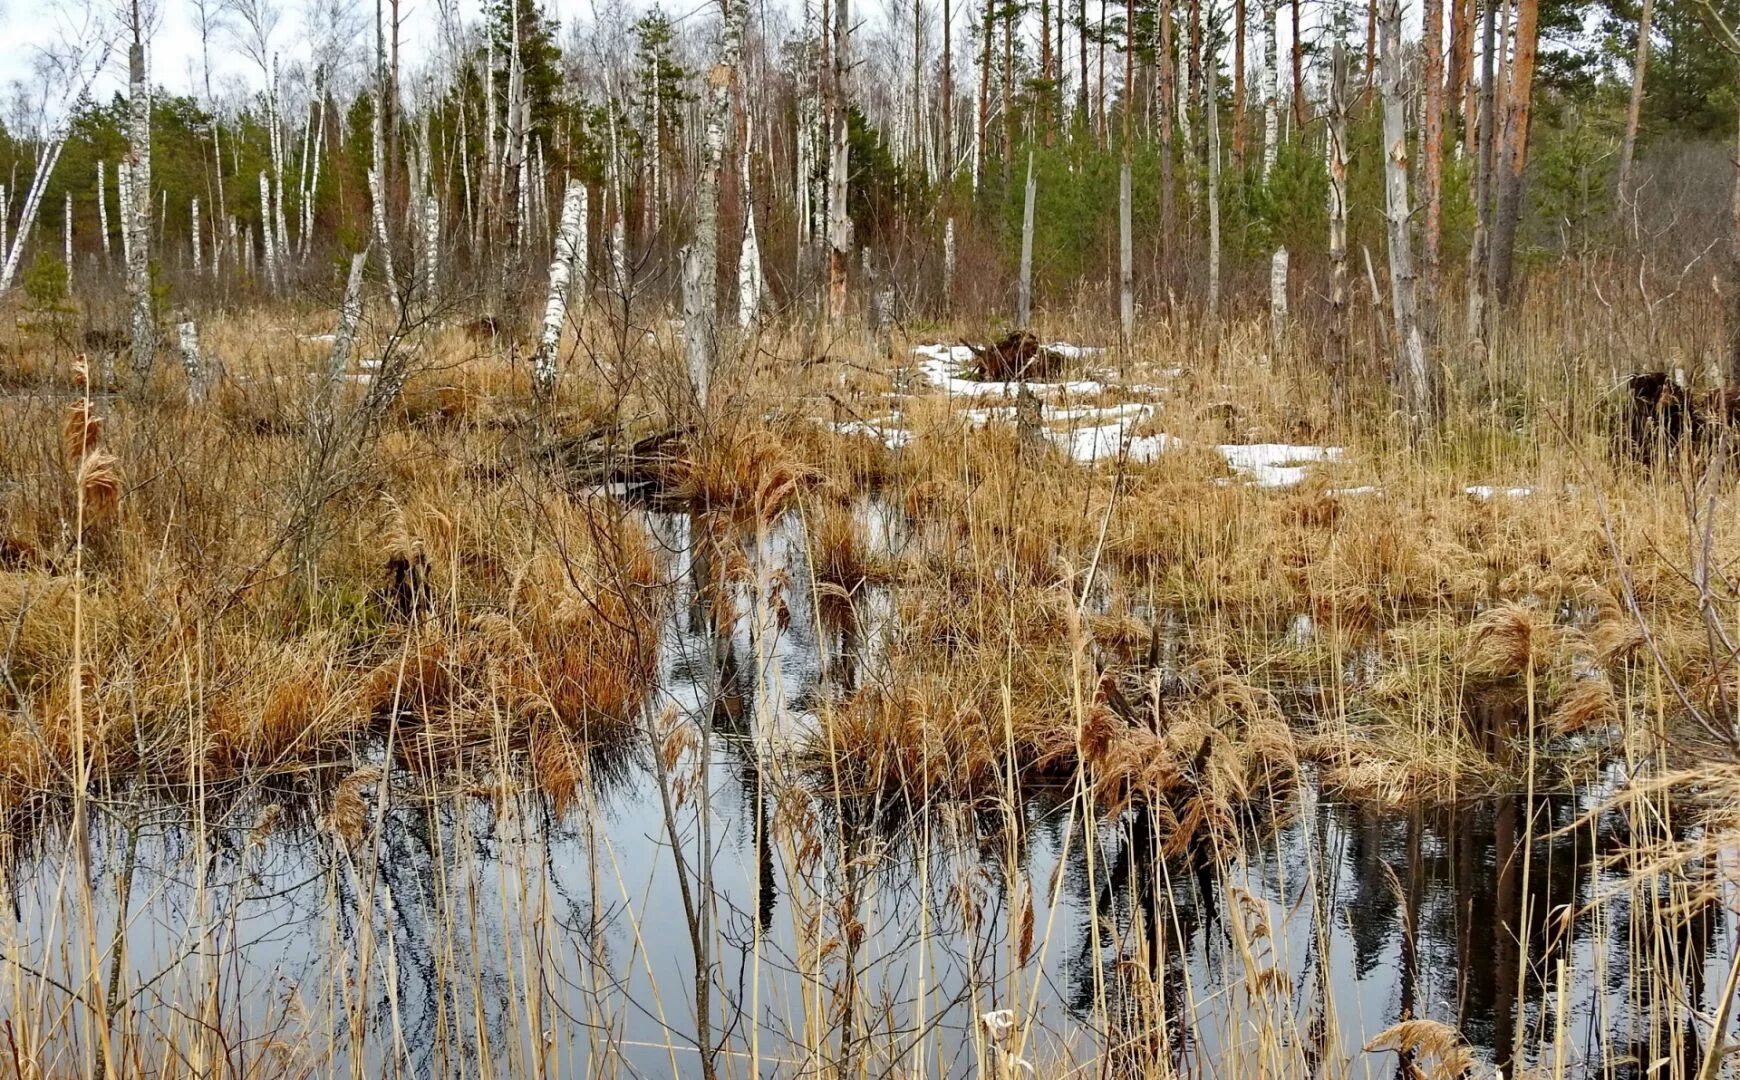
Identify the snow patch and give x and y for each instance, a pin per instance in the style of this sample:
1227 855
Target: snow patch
1275 465
1107 442
1490 491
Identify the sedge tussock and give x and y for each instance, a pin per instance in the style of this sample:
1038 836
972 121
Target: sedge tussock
1440 1045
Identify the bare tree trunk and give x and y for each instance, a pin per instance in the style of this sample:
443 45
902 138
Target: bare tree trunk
349 315
1126 241
282 234
1126 256
1240 32
431 245
1461 78
102 210
1432 180
751 282
1335 150
1519 106
377 176
198 252
1633 112
1167 214
1371 14
701 265
948 91
1269 77
1413 376
568 234
839 165
190 362
1299 117
1212 119
66 239
32 207
139 182
1278 302
268 237
1024 288
1478 250
982 120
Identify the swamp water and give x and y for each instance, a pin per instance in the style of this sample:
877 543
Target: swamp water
497 937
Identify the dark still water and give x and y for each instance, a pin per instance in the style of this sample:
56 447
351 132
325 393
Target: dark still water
488 935
484 943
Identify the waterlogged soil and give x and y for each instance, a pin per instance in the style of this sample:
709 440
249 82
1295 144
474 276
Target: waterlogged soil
488 935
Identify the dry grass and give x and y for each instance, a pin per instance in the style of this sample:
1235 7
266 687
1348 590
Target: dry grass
1161 636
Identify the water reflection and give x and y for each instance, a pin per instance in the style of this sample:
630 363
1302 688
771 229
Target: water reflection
848 934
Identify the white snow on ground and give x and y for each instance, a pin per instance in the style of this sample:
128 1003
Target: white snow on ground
955 354
942 362
1363 489
941 374
1074 352
1268 465
1489 491
1273 465
1106 442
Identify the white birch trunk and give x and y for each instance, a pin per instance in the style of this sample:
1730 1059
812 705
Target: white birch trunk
561 278
1024 287
198 254
66 239
268 244
190 361
281 234
1277 301
701 268
751 284
1268 78
349 315
102 211
1335 150
124 198
32 205
139 185
431 245
1413 377
839 164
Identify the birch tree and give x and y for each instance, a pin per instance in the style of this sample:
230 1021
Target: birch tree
751 283
1634 110
1269 76
1335 150
701 260
1413 376
67 71
102 211
568 234
139 188
1024 286
839 162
